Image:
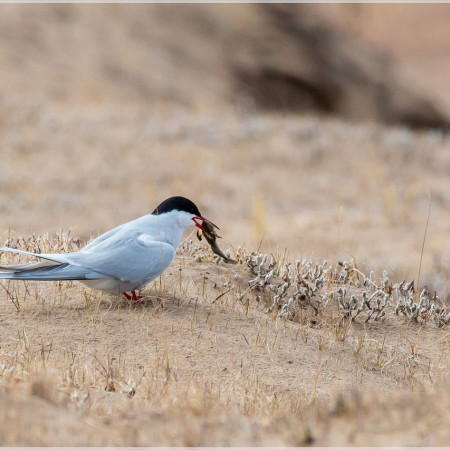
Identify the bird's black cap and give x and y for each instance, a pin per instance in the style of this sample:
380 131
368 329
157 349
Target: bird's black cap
177 204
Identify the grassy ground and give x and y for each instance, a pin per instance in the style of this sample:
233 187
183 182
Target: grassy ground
214 358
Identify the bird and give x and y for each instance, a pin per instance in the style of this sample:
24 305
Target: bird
121 260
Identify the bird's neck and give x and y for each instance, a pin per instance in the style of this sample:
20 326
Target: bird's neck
173 225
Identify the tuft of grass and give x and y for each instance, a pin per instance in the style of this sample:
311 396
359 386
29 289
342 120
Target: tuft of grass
424 236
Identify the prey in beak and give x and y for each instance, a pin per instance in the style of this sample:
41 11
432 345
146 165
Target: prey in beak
211 236
198 220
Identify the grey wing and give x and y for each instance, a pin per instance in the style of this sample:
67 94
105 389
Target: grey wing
127 255
98 240
121 228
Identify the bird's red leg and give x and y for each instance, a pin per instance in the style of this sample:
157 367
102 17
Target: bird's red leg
134 297
137 298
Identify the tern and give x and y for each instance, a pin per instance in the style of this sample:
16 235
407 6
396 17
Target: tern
121 260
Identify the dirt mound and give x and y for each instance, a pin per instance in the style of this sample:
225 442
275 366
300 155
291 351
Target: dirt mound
300 64
204 56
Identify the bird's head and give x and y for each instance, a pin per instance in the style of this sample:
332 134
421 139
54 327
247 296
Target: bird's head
183 205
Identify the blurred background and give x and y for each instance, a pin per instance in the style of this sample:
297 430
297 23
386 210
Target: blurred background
320 129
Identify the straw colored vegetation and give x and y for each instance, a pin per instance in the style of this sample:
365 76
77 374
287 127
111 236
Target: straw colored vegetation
270 351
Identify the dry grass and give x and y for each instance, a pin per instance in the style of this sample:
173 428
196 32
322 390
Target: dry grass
209 361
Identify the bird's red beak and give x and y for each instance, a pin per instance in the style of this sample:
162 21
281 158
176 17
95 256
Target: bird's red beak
198 222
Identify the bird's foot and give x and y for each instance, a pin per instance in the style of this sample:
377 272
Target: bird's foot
134 297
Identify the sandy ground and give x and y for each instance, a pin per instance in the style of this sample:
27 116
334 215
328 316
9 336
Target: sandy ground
205 361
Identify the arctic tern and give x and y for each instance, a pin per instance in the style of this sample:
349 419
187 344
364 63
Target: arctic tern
121 260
